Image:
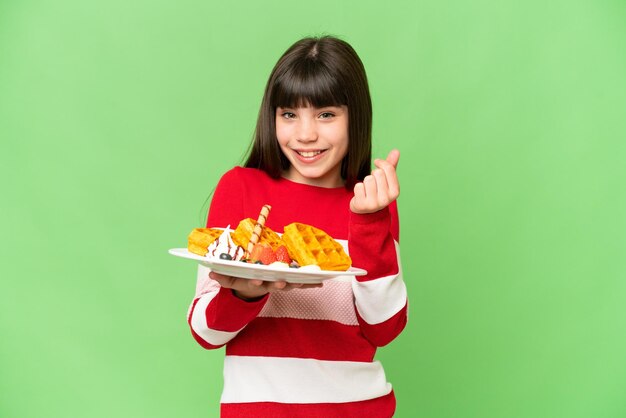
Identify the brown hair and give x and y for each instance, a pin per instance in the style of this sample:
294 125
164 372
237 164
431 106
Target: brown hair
324 71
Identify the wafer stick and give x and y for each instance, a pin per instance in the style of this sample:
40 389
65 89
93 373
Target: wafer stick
258 228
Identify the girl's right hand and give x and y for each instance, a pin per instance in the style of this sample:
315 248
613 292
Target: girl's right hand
250 289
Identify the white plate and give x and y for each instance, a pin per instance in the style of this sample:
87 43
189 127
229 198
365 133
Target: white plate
263 272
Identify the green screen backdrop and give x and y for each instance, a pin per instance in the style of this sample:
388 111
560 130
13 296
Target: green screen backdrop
117 118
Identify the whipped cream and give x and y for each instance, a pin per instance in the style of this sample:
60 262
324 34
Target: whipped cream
279 264
224 244
310 267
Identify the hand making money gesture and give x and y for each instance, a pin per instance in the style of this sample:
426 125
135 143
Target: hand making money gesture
378 189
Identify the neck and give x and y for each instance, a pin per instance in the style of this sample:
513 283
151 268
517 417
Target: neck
329 181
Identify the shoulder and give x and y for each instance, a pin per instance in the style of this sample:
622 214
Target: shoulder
239 174
231 196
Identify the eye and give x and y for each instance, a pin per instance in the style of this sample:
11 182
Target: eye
326 115
288 115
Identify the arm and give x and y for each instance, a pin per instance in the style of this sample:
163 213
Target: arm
216 315
380 296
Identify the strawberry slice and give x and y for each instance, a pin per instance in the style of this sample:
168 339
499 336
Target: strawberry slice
268 256
282 255
262 253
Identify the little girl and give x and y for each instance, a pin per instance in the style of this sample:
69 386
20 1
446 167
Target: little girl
308 351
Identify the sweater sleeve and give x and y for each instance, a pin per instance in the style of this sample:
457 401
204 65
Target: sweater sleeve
380 296
216 315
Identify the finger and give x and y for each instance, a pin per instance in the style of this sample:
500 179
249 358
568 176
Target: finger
382 189
218 277
359 197
391 177
279 285
393 157
291 286
359 191
256 282
369 185
311 285
224 281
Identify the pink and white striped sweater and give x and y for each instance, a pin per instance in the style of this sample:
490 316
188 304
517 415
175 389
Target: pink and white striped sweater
305 352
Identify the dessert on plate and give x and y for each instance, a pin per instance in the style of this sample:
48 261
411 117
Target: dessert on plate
300 245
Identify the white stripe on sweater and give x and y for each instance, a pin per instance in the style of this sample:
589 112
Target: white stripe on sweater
199 325
333 302
294 380
204 284
379 299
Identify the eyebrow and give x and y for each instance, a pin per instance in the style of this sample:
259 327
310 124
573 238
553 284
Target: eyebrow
312 107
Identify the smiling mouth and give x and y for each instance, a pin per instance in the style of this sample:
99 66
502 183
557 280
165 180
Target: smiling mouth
309 154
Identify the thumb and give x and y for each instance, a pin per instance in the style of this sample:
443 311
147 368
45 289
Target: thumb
393 157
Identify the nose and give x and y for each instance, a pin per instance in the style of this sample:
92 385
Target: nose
307 131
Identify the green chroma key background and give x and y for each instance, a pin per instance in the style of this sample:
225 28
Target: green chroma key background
117 118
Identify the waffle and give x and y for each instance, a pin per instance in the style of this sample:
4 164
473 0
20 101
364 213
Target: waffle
309 245
200 238
241 235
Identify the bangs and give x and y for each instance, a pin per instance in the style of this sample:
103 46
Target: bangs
307 84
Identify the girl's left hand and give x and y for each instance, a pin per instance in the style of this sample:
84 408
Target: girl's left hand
378 189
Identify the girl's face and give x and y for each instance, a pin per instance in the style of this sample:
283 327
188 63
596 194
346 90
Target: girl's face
314 140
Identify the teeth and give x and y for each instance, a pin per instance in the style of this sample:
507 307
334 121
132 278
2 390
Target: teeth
309 154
